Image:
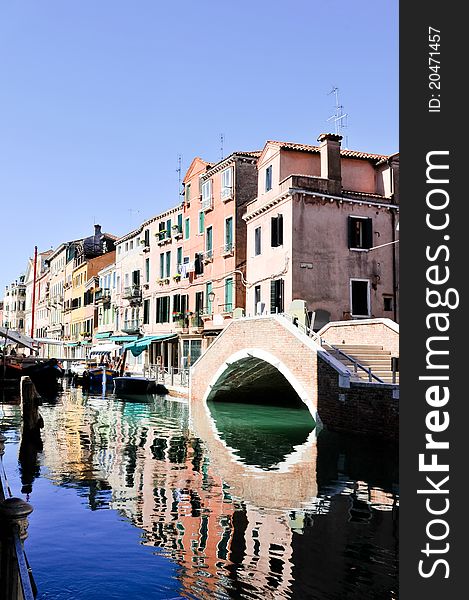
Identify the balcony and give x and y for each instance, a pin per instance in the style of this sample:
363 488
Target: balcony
103 296
207 203
176 232
227 194
207 256
197 321
226 309
227 250
133 293
131 327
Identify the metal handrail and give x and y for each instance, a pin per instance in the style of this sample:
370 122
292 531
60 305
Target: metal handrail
24 570
317 338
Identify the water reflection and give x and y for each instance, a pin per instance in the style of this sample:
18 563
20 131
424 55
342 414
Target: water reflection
246 508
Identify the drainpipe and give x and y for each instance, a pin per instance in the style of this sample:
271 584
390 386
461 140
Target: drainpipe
394 275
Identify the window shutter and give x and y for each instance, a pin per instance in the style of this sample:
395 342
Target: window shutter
279 230
273 232
273 296
368 233
351 223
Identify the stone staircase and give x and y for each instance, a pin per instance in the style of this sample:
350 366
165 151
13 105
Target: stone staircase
374 357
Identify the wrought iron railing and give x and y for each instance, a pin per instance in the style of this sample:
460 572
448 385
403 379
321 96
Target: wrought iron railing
333 349
169 376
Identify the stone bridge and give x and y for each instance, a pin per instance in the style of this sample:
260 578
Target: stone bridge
261 359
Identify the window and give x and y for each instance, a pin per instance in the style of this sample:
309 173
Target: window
146 312
126 246
199 304
178 258
201 222
168 264
191 350
360 233
227 184
162 309
146 240
168 228
277 231
228 234
276 296
268 178
147 270
257 300
136 277
131 246
257 241
180 223
209 242
207 191
161 231
187 228
228 295
187 193
185 261
208 289
126 280
162 265
360 297
387 303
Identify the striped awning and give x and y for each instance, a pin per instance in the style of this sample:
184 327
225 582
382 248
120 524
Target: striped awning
103 335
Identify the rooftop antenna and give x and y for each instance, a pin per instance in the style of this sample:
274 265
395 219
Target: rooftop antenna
222 139
179 171
339 117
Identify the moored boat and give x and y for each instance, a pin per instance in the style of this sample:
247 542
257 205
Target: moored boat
129 386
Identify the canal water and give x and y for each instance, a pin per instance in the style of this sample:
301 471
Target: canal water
142 500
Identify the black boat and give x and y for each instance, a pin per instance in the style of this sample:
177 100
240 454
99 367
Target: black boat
45 376
130 386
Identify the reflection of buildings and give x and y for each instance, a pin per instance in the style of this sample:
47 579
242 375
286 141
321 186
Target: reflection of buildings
224 529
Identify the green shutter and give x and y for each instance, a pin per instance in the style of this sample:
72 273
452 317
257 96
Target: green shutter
187 229
161 266
201 221
229 295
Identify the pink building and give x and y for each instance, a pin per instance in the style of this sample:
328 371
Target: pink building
179 276
322 229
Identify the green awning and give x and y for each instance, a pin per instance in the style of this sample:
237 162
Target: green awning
104 335
124 338
72 344
142 344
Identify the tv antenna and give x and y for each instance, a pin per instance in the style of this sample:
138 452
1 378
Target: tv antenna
339 117
222 140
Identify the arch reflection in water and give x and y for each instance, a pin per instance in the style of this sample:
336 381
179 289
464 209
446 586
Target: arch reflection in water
234 529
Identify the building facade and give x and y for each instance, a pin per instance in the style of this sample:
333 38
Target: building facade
322 230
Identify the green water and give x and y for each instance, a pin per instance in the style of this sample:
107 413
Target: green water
261 435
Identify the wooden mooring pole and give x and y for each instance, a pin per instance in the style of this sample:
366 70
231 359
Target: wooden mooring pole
32 420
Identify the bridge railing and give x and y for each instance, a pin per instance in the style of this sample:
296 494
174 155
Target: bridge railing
319 340
173 376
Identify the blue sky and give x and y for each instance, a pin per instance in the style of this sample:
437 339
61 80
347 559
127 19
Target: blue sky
98 99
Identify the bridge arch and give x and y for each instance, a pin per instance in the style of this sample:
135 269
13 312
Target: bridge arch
257 370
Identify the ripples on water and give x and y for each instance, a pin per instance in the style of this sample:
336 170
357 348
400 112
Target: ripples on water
137 500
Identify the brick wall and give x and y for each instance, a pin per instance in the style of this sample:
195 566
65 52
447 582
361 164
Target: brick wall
376 333
363 409
263 334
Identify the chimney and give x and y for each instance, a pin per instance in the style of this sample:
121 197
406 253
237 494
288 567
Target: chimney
330 161
97 229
